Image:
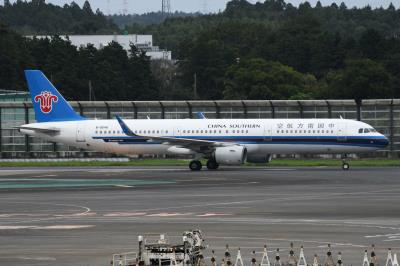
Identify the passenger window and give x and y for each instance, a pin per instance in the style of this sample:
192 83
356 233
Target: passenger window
215 132
184 131
205 131
227 131
158 131
201 131
247 131
166 131
95 132
101 132
220 132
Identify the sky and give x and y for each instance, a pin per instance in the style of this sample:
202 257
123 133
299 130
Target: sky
144 6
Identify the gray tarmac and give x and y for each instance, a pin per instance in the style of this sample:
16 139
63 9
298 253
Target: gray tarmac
81 216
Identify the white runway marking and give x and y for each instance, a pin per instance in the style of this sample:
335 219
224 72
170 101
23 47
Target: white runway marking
48 227
135 170
40 176
123 186
124 214
213 214
168 214
290 240
33 258
387 235
87 212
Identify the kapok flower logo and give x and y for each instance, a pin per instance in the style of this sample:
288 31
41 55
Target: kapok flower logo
46 100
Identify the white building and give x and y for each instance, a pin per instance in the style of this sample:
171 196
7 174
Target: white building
142 42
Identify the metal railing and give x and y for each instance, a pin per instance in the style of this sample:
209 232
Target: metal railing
383 114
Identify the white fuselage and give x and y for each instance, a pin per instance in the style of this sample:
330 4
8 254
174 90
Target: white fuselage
259 136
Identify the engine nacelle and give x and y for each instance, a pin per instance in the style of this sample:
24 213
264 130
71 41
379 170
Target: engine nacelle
232 155
259 158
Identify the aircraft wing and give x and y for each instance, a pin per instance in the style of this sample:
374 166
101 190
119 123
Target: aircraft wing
193 144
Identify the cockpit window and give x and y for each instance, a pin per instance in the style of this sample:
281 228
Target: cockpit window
367 130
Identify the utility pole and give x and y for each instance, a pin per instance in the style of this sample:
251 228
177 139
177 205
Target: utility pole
195 86
90 91
166 7
205 7
125 7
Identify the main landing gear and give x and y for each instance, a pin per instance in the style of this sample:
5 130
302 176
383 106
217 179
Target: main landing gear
196 165
212 164
345 164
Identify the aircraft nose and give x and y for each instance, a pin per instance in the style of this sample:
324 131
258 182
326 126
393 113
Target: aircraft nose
385 141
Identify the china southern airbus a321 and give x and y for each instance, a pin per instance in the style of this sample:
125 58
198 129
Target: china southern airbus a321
220 141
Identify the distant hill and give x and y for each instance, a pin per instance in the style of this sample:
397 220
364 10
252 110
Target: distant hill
39 17
147 19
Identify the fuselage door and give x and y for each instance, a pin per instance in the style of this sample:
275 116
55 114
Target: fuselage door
341 132
80 132
268 132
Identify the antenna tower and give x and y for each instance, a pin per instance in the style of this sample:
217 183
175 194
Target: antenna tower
205 6
125 7
108 7
166 7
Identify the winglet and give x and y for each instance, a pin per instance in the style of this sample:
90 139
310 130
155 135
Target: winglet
200 115
125 127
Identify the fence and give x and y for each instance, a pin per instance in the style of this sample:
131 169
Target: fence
384 115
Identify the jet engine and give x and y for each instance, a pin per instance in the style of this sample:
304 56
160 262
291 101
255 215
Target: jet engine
259 158
232 155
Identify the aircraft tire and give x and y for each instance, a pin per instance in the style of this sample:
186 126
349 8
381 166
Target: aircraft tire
345 166
195 165
212 165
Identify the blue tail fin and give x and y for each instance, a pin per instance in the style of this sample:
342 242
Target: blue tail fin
48 103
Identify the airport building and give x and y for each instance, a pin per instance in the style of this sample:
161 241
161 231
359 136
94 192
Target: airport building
142 42
384 115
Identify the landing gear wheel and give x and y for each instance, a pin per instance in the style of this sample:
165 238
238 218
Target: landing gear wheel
212 165
345 166
195 165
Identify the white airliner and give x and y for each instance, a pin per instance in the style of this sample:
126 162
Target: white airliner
221 141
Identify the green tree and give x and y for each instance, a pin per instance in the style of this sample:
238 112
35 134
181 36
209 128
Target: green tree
260 79
360 79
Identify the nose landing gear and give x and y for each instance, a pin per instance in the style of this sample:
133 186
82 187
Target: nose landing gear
345 164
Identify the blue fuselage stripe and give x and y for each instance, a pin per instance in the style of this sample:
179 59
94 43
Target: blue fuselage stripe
360 141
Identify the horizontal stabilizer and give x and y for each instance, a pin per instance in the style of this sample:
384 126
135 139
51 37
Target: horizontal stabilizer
49 131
